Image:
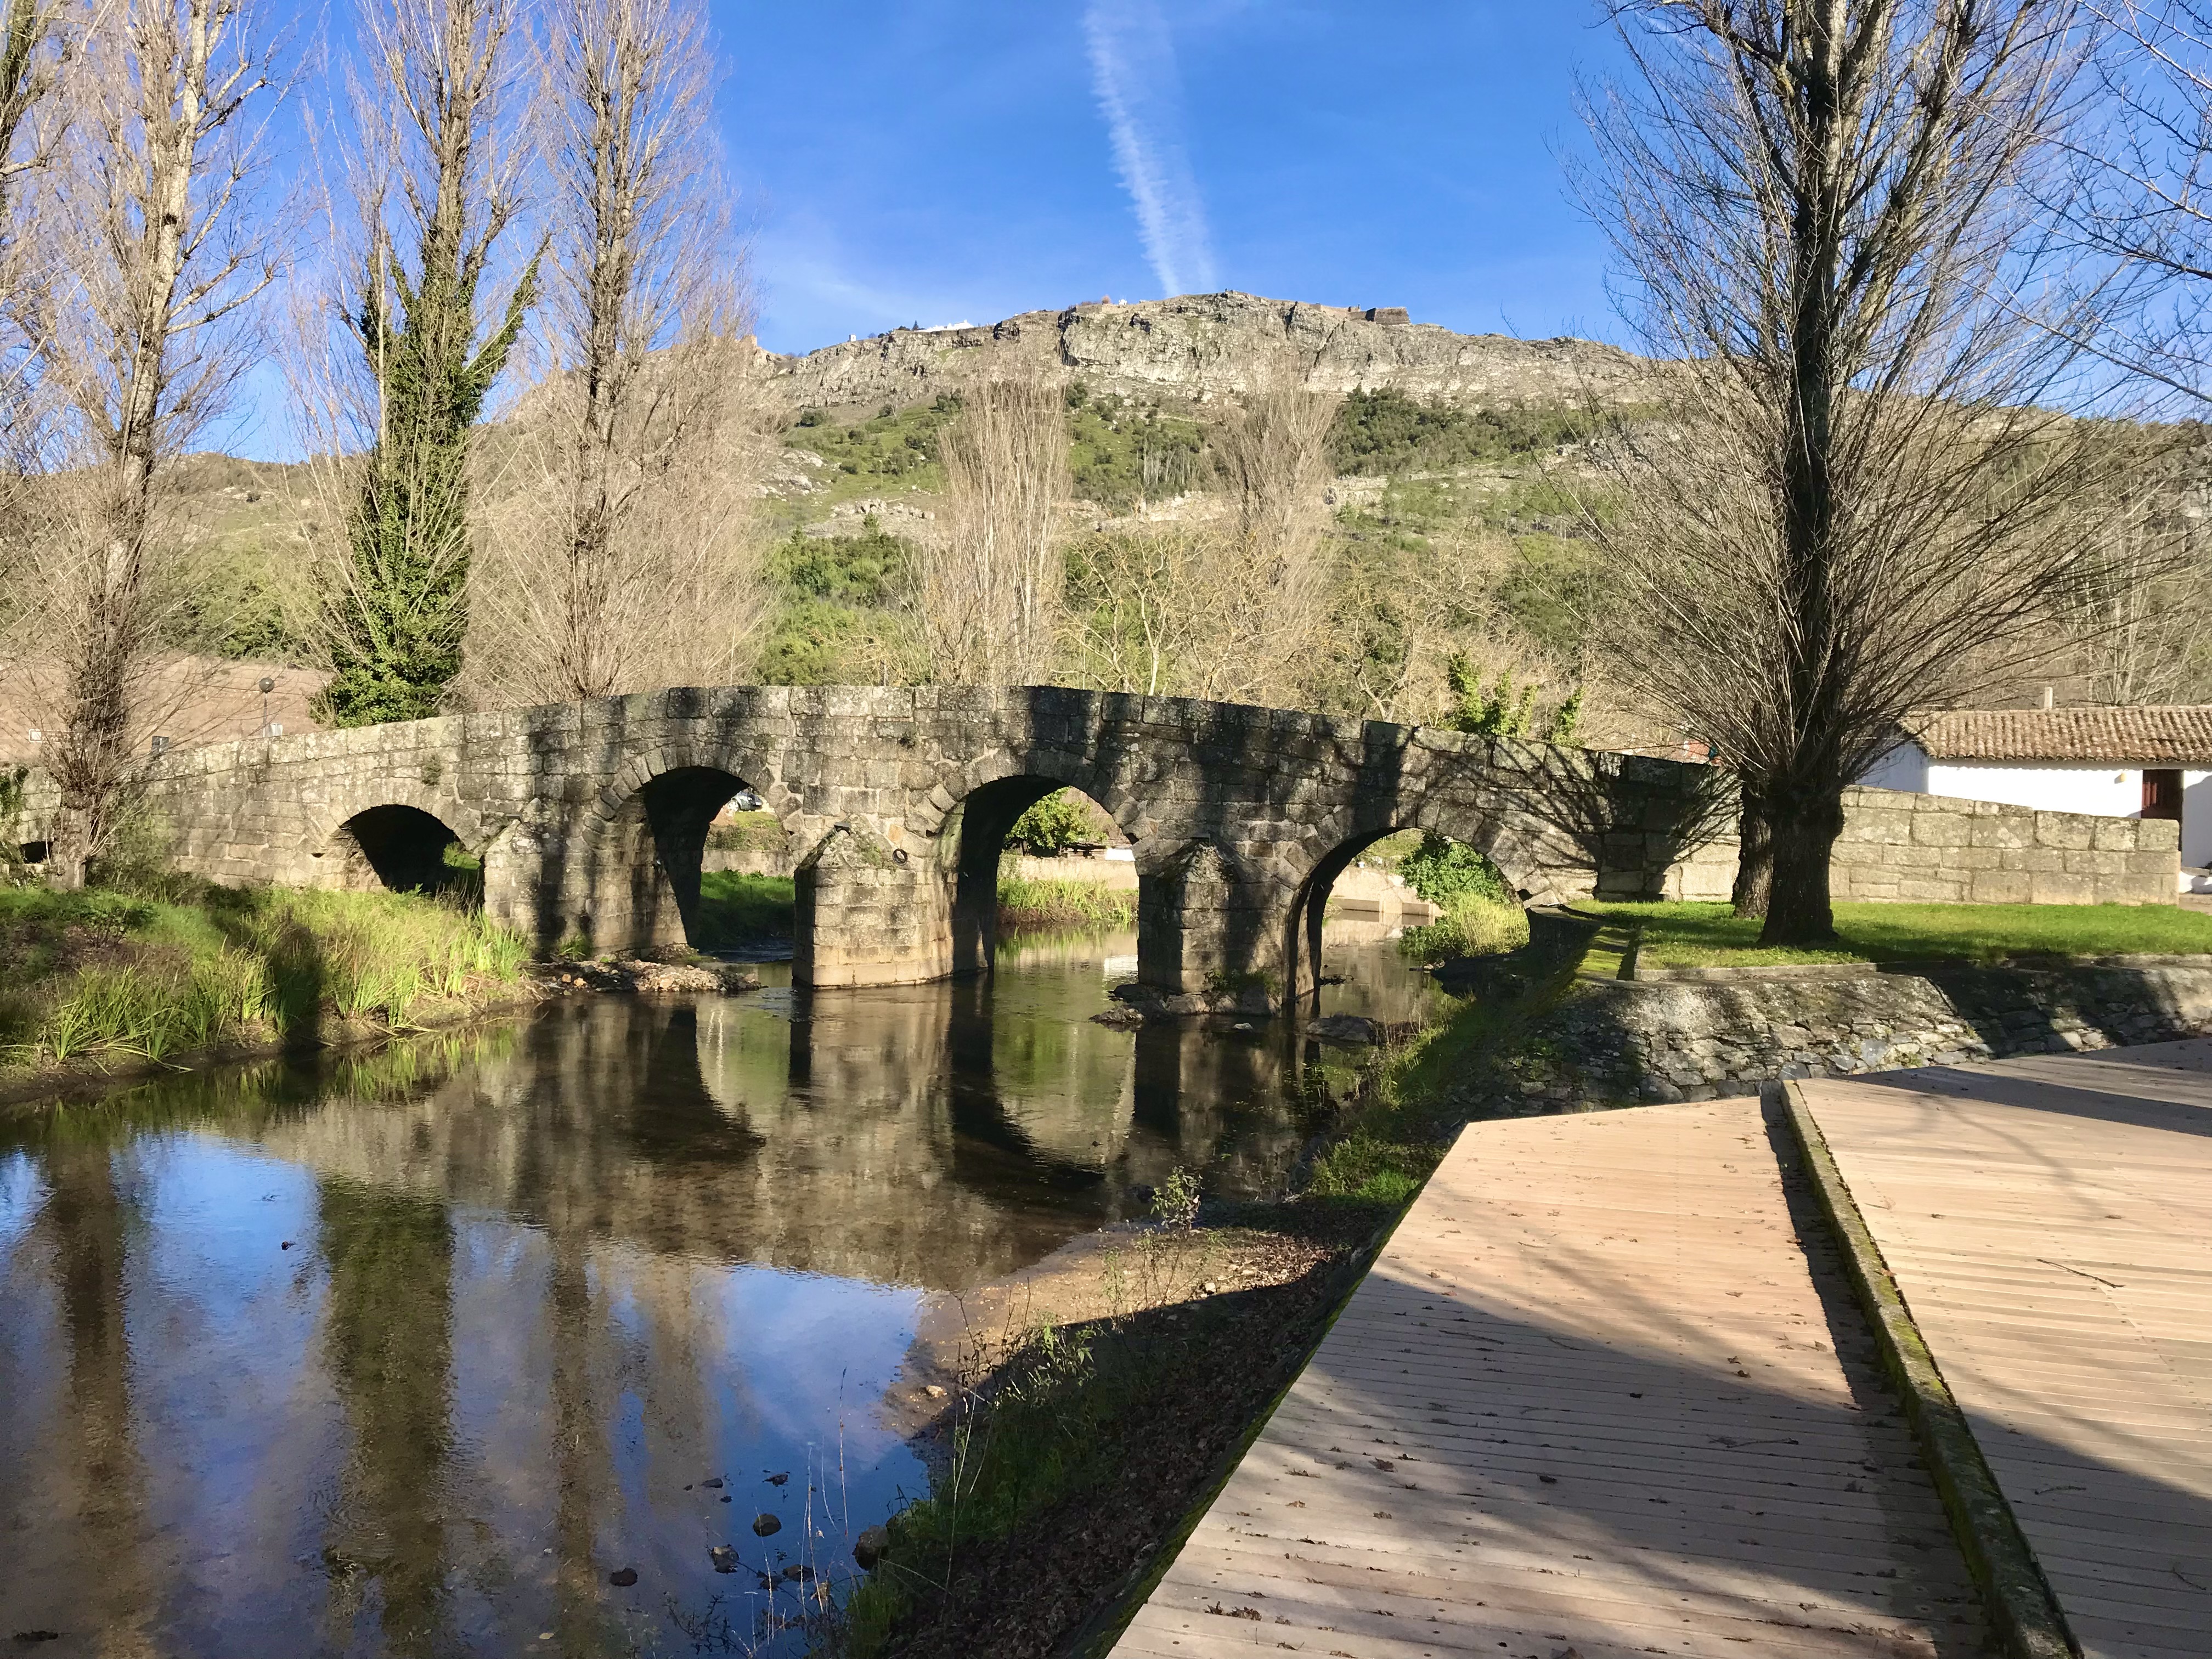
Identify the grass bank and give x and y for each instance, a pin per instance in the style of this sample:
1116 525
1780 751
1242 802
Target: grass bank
99 979
1678 935
1036 904
735 909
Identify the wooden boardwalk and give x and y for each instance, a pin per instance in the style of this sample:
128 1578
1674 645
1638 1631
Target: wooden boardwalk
1589 1399
2049 1222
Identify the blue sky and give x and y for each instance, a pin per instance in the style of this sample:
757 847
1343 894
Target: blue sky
947 161
941 161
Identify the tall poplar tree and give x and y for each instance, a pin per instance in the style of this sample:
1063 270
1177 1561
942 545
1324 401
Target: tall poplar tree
401 611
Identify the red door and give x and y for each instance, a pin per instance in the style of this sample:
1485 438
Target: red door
2162 795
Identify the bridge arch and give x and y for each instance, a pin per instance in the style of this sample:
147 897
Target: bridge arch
1342 837
644 852
979 822
398 848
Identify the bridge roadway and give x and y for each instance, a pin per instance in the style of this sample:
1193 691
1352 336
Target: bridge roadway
1604 1393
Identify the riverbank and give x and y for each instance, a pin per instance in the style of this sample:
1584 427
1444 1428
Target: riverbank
1076 1417
103 983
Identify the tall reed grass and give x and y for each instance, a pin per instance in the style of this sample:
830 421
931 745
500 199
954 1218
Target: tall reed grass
1473 925
104 976
1028 903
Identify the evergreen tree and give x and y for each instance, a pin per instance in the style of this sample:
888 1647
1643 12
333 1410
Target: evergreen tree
400 611
408 535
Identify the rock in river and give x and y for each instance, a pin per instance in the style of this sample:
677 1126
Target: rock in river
766 1526
871 1547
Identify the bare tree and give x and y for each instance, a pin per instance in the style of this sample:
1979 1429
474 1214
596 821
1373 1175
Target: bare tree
151 236
1273 450
2141 625
621 551
988 594
2143 192
1861 500
1137 608
34 35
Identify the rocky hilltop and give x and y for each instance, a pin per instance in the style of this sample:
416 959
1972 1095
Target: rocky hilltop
1201 345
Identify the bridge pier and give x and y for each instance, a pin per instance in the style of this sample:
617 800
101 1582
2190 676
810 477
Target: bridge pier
870 914
1207 926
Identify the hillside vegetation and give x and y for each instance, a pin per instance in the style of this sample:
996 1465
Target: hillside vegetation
1455 525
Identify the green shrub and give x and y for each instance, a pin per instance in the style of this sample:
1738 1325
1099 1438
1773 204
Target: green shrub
1442 870
1385 431
1061 821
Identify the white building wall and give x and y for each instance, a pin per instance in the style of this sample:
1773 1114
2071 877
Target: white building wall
2197 819
2109 790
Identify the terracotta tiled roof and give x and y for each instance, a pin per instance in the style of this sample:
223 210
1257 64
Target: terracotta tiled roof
2175 735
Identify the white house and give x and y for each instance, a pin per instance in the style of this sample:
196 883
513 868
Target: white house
2118 762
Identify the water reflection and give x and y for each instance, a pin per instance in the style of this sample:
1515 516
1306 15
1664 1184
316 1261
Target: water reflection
405 1354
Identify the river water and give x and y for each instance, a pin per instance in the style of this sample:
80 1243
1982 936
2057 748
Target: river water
412 1352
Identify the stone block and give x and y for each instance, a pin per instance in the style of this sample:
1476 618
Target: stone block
2005 831
2114 835
2096 864
1999 887
1933 828
1931 890
2062 890
2066 831
2155 864
1880 828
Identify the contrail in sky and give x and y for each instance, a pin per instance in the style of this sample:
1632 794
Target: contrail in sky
1132 65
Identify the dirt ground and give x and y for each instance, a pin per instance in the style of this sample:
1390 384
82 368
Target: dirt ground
1223 1318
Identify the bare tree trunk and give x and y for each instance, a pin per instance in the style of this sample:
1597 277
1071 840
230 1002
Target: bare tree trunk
1754 857
159 256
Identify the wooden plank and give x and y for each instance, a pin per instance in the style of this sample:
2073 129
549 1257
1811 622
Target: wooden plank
1589 1397
2047 1221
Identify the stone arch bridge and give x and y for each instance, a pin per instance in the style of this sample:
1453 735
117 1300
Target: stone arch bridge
590 818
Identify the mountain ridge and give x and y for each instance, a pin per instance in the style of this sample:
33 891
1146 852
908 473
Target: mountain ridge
1207 345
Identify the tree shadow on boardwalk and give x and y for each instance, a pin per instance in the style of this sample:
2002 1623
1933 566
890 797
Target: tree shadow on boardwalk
1462 1470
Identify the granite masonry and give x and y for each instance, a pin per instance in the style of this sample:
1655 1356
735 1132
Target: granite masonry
1935 849
1624 1042
591 819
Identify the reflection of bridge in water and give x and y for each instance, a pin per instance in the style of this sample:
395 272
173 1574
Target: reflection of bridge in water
407 1352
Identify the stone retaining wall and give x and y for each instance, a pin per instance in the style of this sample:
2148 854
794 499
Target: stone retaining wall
746 861
1623 1041
1906 847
